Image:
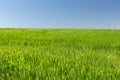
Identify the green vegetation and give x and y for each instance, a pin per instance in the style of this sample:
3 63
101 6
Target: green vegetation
59 54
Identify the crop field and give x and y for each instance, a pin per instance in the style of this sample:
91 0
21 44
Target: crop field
59 54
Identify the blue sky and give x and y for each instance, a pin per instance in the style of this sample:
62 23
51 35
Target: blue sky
60 13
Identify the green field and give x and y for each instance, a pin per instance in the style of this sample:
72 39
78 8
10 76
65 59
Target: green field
59 54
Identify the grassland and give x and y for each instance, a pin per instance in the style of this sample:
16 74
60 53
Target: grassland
59 54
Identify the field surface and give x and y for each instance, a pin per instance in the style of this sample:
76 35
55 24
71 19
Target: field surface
59 54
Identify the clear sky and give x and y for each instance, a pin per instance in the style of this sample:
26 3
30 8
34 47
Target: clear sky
60 13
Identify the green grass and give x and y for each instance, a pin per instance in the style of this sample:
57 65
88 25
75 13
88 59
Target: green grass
59 54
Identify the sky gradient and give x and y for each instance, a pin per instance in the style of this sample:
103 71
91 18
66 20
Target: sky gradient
60 13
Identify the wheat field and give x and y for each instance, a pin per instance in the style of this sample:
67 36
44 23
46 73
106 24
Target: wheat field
59 54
